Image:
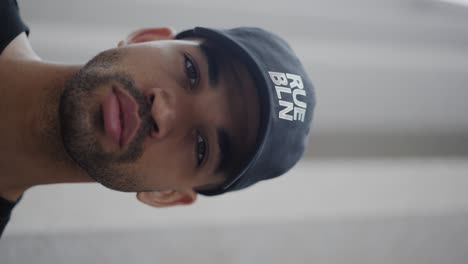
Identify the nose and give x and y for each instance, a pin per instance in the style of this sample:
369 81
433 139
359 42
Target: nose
163 112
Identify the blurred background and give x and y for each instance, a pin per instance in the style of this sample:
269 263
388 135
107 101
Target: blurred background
385 179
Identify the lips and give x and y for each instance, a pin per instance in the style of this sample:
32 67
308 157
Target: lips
120 117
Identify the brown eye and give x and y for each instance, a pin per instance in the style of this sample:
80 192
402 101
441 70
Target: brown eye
191 70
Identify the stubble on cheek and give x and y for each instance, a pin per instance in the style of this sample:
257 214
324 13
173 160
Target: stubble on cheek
83 132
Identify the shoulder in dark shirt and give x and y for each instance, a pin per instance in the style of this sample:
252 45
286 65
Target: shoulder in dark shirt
11 26
5 211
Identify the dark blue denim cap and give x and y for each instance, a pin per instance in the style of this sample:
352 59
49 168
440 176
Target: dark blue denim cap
286 98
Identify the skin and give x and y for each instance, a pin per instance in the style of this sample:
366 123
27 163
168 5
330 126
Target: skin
164 171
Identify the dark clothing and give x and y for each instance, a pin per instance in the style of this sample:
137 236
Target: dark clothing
5 211
11 26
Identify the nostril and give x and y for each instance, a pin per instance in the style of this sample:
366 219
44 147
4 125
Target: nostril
151 98
155 127
154 131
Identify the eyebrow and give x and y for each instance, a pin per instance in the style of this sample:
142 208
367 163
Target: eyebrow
210 54
225 150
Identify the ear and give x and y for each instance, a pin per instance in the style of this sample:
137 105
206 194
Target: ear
148 34
167 198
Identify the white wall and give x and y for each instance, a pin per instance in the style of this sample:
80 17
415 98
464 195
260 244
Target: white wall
327 190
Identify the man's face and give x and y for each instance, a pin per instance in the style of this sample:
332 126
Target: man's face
156 116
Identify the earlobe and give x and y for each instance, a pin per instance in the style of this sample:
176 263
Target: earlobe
167 198
148 34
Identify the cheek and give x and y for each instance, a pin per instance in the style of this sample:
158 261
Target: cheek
148 66
166 166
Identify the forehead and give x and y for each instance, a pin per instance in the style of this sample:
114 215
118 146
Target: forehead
244 104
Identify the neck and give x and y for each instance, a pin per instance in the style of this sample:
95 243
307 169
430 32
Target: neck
31 149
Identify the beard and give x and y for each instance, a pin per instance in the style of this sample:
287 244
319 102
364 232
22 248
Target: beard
81 123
